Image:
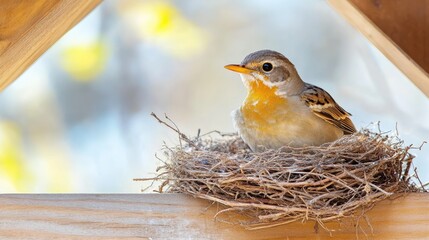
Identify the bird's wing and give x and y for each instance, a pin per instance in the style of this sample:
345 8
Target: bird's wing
325 107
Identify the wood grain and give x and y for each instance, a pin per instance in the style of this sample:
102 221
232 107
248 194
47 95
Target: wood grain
28 28
175 216
406 40
405 22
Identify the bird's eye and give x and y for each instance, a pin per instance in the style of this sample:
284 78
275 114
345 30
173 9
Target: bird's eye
267 67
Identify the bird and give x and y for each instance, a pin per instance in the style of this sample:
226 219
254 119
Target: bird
280 109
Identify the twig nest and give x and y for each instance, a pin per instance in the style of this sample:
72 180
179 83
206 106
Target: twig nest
273 187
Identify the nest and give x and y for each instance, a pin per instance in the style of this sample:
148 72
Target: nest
320 183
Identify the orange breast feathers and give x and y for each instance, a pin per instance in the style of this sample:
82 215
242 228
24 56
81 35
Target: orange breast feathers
263 106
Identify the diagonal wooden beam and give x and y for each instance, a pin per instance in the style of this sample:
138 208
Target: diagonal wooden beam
28 28
387 24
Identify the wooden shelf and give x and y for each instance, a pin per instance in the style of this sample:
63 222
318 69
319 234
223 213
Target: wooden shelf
176 216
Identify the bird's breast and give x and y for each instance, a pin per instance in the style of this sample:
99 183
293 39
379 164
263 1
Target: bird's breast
263 108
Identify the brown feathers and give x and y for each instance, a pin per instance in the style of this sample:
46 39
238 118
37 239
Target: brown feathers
325 107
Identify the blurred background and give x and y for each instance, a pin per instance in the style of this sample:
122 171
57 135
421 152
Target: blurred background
78 120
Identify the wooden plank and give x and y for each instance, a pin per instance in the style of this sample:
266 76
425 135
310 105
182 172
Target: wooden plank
176 216
28 28
405 22
389 47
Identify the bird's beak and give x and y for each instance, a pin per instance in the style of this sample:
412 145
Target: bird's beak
238 68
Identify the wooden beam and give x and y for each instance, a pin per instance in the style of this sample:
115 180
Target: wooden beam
405 22
389 35
176 216
28 28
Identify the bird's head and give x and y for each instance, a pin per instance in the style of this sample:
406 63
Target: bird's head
268 67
